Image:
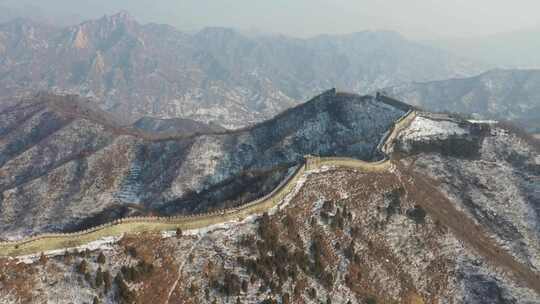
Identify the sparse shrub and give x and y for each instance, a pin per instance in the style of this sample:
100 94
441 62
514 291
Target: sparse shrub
324 215
394 205
328 206
101 258
269 301
99 278
285 299
313 293
107 281
126 294
82 268
67 257
349 251
132 251
88 279
328 279
268 232
244 286
337 221
145 268
357 259
291 227
193 288
418 214
137 272
247 241
440 226
43 258
355 232
454 146
231 284
371 300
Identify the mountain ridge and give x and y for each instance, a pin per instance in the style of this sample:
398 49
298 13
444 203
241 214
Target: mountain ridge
110 173
216 74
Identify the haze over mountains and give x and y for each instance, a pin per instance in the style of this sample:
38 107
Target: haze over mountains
215 75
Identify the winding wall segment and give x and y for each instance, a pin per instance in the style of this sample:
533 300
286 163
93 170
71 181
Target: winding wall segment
56 241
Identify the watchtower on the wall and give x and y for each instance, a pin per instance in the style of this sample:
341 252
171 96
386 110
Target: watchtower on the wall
312 162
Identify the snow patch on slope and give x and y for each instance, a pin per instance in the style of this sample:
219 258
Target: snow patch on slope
425 128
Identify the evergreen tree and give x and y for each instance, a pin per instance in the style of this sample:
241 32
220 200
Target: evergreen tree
101 258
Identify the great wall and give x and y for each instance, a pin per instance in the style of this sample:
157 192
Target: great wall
57 241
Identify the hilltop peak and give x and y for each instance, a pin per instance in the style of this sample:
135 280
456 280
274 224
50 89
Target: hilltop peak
118 19
123 16
107 29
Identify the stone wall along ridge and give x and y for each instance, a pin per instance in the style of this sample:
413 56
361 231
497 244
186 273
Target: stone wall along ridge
54 241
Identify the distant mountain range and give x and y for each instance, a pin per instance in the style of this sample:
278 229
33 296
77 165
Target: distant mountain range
216 74
511 95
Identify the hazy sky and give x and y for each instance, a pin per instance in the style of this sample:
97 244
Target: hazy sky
415 18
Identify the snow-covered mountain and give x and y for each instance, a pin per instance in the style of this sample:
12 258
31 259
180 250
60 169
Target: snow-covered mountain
216 74
65 166
454 220
450 216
